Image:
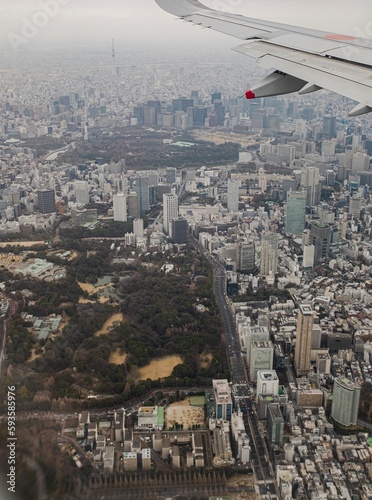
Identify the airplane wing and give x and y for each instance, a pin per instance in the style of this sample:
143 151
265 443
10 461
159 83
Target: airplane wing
304 60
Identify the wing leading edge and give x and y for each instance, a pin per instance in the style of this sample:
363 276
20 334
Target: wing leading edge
306 60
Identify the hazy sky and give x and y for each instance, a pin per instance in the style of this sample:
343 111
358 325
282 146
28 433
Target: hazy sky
96 22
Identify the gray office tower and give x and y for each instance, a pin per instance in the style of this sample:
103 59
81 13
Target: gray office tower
170 175
295 214
310 182
275 425
329 127
320 237
246 256
46 201
143 193
133 205
179 231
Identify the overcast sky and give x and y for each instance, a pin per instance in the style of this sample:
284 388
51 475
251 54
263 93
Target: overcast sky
96 22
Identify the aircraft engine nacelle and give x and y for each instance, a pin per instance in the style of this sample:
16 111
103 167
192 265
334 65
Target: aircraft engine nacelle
276 83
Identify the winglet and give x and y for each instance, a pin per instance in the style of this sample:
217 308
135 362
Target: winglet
360 109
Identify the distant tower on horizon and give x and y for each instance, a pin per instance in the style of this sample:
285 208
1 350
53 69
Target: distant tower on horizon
113 59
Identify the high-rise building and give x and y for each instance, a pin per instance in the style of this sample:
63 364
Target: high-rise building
121 184
329 127
262 181
142 189
153 178
366 178
120 207
261 358
328 148
216 96
220 112
308 256
170 175
254 334
138 113
153 195
330 177
275 425
368 146
269 254
305 320
360 163
295 212
138 228
195 96
293 110
200 115
345 403
81 192
233 195
246 257
182 103
133 205
149 115
222 398
355 204
46 201
180 231
320 237
310 181
170 210
267 382
259 119
286 152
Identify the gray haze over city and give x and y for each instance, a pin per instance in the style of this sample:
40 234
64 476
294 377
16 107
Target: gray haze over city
93 23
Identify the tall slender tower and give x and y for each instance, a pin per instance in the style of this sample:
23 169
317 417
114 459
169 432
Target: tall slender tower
305 321
170 210
262 181
113 59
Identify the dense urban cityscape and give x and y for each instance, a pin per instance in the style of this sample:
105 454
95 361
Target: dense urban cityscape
185 281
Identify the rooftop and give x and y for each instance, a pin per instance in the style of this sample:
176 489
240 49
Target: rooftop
306 310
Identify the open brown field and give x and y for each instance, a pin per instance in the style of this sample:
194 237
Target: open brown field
158 368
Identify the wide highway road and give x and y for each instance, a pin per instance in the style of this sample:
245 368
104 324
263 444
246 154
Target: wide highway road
242 392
